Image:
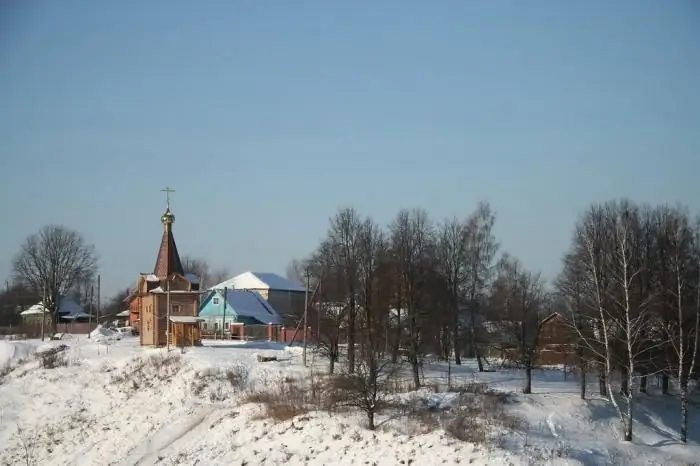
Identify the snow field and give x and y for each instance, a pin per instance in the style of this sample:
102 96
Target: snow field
115 403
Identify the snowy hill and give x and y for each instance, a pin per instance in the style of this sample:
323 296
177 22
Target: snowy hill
115 403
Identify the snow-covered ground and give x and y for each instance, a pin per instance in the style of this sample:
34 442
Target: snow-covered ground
115 403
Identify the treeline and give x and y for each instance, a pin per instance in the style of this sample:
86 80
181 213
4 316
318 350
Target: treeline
631 288
629 295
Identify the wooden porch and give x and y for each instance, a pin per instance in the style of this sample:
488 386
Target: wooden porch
185 331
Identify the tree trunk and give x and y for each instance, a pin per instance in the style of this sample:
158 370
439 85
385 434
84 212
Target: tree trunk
449 375
629 393
628 424
331 367
397 343
602 384
624 384
664 384
370 419
684 409
643 383
445 351
415 369
351 335
528 377
581 370
455 339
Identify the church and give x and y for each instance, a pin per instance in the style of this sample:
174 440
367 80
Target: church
168 288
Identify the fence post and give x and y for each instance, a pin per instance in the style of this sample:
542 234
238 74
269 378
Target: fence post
269 331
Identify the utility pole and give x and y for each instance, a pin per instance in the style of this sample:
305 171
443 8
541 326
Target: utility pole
90 313
98 300
223 323
167 315
318 310
43 310
306 312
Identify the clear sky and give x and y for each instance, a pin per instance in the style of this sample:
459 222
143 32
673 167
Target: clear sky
267 116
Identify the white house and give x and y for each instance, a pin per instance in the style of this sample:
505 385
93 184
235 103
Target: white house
68 309
286 297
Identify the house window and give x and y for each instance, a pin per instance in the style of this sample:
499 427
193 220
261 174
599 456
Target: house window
215 301
216 326
176 309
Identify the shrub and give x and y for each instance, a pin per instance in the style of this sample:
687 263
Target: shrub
53 358
477 411
238 376
474 415
215 381
282 401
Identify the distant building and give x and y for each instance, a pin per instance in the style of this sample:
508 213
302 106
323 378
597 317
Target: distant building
285 297
148 309
68 310
219 310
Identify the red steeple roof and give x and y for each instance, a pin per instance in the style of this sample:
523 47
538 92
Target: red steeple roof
168 260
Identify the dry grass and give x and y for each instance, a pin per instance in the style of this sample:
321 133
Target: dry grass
477 412
473 416
220 382
53 358
5 370
282 399
149 371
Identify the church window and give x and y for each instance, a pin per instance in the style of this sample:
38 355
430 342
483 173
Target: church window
215 301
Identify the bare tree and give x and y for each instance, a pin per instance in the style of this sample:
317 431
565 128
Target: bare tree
611 245
367 388
412 245
480 250
518 300
215 277
451 264
628 317
295 272
571 288
373 298
680 296
206 275
331 304
343 235
55 259
114 304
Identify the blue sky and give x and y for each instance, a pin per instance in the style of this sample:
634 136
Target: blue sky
266 117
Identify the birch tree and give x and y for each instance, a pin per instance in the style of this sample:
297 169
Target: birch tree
609 244
679 286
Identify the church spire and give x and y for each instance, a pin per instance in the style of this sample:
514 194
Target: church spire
168 218
168 261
